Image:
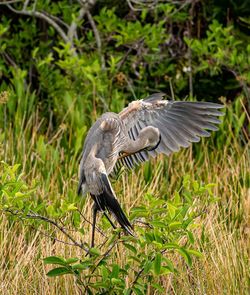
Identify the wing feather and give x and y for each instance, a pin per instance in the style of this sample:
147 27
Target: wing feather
180 123
195 122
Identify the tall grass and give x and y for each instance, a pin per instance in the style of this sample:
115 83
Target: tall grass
50 157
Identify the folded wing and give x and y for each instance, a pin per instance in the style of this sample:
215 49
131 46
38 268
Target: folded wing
107 200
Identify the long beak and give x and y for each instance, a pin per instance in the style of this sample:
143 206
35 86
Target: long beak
124 155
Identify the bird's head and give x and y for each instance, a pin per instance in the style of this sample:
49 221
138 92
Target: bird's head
151 136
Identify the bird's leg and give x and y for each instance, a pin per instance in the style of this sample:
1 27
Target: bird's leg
95 209
110 221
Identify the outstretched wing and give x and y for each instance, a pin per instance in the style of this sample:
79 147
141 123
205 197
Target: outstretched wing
180 123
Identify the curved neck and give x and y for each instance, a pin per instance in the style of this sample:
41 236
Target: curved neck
148 138
134 146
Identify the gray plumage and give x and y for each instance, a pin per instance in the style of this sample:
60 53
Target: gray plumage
145 128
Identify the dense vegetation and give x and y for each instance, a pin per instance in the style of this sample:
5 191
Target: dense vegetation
65 62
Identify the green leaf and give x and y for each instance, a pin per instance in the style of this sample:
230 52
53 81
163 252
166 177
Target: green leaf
158 287
171 209
130 247
175 225
83 265
186 181
159 224
71 260
59 271
105 272
127 291
71 207
184 253
80 266
135 258
169 264
98 285
195 253
15 167
115 271
77 220
137 291
95 251
190 237
147 266
54 260
177 198
149 237
157 264
111 239
115 281
171 246
166 270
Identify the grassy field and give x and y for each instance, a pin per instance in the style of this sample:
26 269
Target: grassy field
222 232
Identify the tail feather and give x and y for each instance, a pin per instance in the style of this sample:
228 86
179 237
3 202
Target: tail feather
107 200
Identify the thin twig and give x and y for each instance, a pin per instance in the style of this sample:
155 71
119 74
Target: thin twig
9 60
171 89
105 255
51 237
56 19
144 4
97 228
141 271
34 5
120 64
146 224
25 5
137 45
43 218
191 91
73 26
9 2
97 38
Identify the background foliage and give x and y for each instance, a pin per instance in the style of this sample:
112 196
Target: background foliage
62 64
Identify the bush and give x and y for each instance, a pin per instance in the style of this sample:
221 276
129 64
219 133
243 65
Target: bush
164 227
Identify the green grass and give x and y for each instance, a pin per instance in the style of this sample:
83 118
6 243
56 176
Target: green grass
50 159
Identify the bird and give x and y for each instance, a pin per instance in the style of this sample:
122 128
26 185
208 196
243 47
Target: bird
145 128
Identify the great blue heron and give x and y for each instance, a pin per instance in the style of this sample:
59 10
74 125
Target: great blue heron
145 128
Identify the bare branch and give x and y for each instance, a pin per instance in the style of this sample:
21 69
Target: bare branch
141 271
73 26
87 3
8 59
104 256
97 38
26 3
34 5
33 215
149 4
9 2
45 17
56 19
137 45
190 75
51 237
